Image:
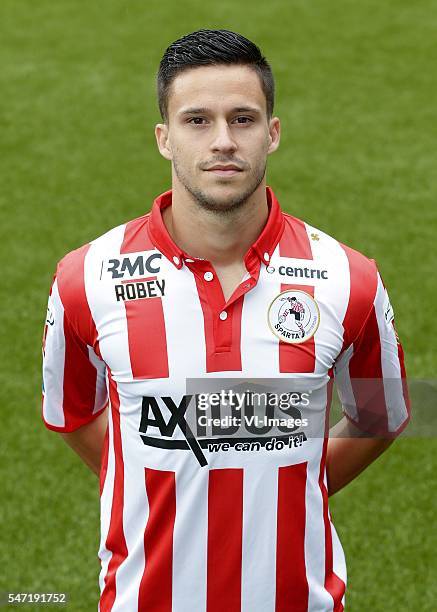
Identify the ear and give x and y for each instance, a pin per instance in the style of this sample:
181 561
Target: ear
274 134
162 140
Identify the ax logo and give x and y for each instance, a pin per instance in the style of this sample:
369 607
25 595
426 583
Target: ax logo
239 426
151 416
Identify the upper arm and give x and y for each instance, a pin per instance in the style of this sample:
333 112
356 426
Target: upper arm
74 377
370 373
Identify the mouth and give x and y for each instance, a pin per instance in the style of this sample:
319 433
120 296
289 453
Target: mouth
224 170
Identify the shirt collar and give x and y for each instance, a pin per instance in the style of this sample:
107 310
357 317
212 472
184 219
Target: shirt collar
262 248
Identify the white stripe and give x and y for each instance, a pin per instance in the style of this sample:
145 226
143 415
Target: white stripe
183 324
331 295
391 371
338 558
108 314
255 330
106 504
190 538
344 384
135 516
318 597
101 391
53 363
260 491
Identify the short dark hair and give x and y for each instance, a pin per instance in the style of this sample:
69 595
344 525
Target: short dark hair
207 48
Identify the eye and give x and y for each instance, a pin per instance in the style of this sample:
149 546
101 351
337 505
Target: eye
244 120
196 120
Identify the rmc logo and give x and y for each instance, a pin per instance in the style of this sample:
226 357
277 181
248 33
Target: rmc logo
133 265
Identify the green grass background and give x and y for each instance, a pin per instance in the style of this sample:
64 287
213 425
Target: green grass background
356 93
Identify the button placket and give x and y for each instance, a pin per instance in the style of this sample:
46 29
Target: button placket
221 311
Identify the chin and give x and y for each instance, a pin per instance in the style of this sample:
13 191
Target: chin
227 191
222 196
221 200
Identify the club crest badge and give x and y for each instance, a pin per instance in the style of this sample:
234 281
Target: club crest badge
294 316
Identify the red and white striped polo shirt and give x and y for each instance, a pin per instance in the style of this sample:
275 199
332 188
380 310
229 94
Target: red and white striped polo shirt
186 527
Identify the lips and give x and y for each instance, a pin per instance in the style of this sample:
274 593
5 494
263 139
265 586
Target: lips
224 170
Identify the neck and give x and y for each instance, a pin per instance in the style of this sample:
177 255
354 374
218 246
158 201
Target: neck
223 239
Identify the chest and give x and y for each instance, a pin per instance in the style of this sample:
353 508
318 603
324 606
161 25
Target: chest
173 324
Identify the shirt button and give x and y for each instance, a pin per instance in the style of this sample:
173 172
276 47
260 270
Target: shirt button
223 315
176 260
208 276
266 257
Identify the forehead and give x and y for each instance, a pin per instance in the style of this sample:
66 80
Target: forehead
216 87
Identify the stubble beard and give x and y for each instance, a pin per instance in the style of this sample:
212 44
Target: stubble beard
219 206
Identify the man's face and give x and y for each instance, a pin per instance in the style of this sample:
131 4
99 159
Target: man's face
217 117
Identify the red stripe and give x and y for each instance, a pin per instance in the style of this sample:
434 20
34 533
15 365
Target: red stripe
71 286
145 318
329 390
136 236
78 399
333 584
225 540
155 592
115 541
294 242
104 461
222 338
138 280
363 285
336 588
297 357
291 579
365 366
147 338
365 370
361 329
366 359
79 331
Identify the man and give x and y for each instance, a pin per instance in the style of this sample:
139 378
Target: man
200 289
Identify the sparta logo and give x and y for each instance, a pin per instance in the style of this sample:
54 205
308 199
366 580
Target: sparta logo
294 316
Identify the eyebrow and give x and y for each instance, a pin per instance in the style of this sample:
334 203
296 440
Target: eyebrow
237 109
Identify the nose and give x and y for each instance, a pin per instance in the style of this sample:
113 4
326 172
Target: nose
222 140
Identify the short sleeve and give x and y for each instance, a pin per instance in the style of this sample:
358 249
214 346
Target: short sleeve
74 377
370 373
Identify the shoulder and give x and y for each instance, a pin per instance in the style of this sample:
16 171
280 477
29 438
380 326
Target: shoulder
71 270
350 270
317 245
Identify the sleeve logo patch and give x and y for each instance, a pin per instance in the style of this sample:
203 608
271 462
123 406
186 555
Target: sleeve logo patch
50 319
294 316
389 314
